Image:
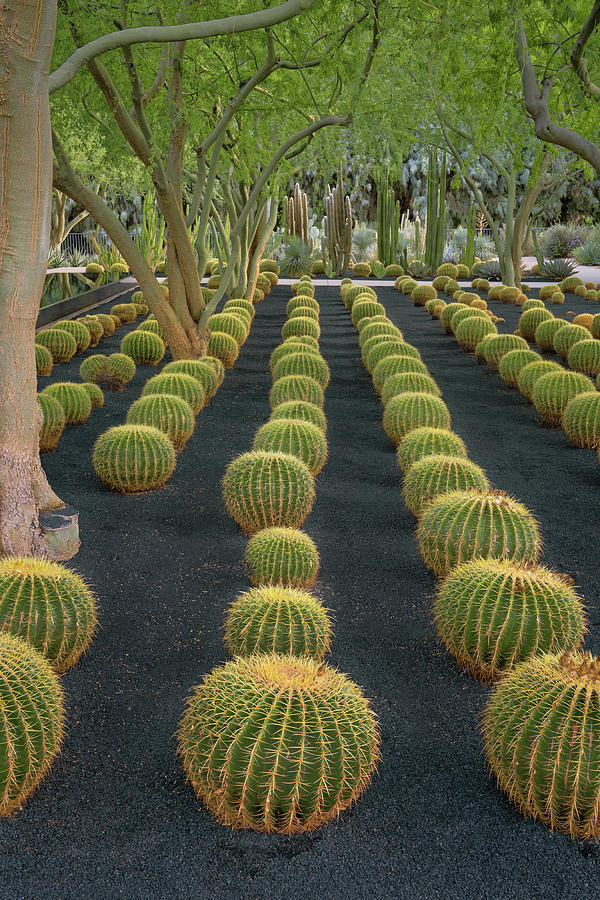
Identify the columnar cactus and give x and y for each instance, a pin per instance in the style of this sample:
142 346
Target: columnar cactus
530 320
465 525
43 360
301 439
432 476
283 556
501 344
232 324
31 721
178 384
95 394
512 364
223 347
492 614
300 325
552 392
413 410
125 311
366 309
302 777
168 413
470 332
296 387
567 336
263 489
302 411
396 365
74 399
581 420
309 364
279 620
540 729
132 458
414 382
531 372
427 441
53 423
79 331
200 369
48 606
59 343
546 332
584 356
144 347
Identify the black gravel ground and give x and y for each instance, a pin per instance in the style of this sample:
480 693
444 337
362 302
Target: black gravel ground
115 816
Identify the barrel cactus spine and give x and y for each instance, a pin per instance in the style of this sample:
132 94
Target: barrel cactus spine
282 556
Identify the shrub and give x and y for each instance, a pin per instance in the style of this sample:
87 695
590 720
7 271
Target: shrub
557 269
422 293
448 269
530 320
167 412
282 556
125 311
53 423
560 240
584 356
80 333
43 360
310 365
223 347
299 326
581 420
200 369
301 439
396 365
470 332
546 332
95 394
74 400
432 476
512 363
59 343
492 615
48 606
144 347
263 490
588 253
426 441
179 385
132 458
499 345
230 323
414 382
279 620
552 392
326 777
532 371
413 410
539 734
32 721
567 336
296 387
466 525
365 309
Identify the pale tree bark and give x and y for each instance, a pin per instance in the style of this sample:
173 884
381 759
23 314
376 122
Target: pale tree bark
26 37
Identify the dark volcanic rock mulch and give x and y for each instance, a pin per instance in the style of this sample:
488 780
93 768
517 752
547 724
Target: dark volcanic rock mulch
115 817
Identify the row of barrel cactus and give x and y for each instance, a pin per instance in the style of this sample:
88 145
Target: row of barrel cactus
502 615
270 701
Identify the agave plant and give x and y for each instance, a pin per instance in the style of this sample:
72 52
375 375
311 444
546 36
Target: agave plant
296 259
56 258
588 253
489 269
557 269
484 248
363 243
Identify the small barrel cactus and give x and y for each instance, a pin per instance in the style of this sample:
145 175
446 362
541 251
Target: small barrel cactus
552 392
446 315
59 343
492 614
49 606
557 298
74 399
584 356
427 441
584 319
223 347
125 311
43 360
285 556
396 365
95 394
355 291
465 525
300 325
303 777
480 349
91 367
305 287
532 304
512 364
301 302
108 324
501 344
448 269
422 293
465 312
151 325
240 303
200 369
119 370
440 282
383 346
288 349
413 410
432 476
265 489
567 336
168 413
546 332
362 309
53 423
495 291
530 373
367 321
301 439
277 619
306 311
304 339
595 326
509 294
304 412
471 331
362 269
31 720
79 331
530 320
540 734
569 284
581 420
310 365
232 324
178 384
144 347
376 328
132 458
452 287
414 382
95 328
296 387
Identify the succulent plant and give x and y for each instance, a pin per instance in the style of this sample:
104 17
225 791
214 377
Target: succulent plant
539 733
311 365
413 410
240 303
282 556
296 387
95 328
301 439
355 291
302 339
533 304
58 342
125 311
300 325
447 314
366 309
144 347
362 270
531 372
74 400
151 325
569 284
393 271
277 619
471 330
290 348
512 364
302 779
95 394
132 458
546 332
499 345
108 324
381 347
567 336
584 356
530 320
200 369
53 423
438 474
448 269
305 289
230 323
509 294
552 392
557 298
78 331
451 287
463 271
440 282
546 291
461 526
365 323
223 347
306 312
408 285
180 385
301 302
427 441
43 360
396 365
269 265
302 411
32 720
495 291
265 489
422 293
415 382
591 294
167 412
492 615
468 299
581 420
584 319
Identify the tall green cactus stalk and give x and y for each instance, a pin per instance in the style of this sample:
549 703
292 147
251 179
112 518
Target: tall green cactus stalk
436 211
337 228
296 211
417 247
467 256
536 249
388 222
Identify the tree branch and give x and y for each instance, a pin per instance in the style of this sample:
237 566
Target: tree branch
577 61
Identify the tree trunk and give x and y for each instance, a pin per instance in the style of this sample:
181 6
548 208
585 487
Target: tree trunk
27 30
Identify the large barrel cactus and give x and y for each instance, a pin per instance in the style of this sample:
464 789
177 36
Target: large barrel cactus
567 336
277 619
144 347
499 345
513 362
53 423
546 332
492 614
284 556
304 412
296 387
427 441
377 328
380 348
74 399
278 743
200 369
584 356
132 458
415 382
224 347
43 360
232 324
581 420
472 330
307 311
541 730
552 392
300 325
168 413
309 364
401 361
95 394
530 320
180 385
435 475
31 720
58 342
262 490
301 439
290 348
530 373
79 331
413 410
125 311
